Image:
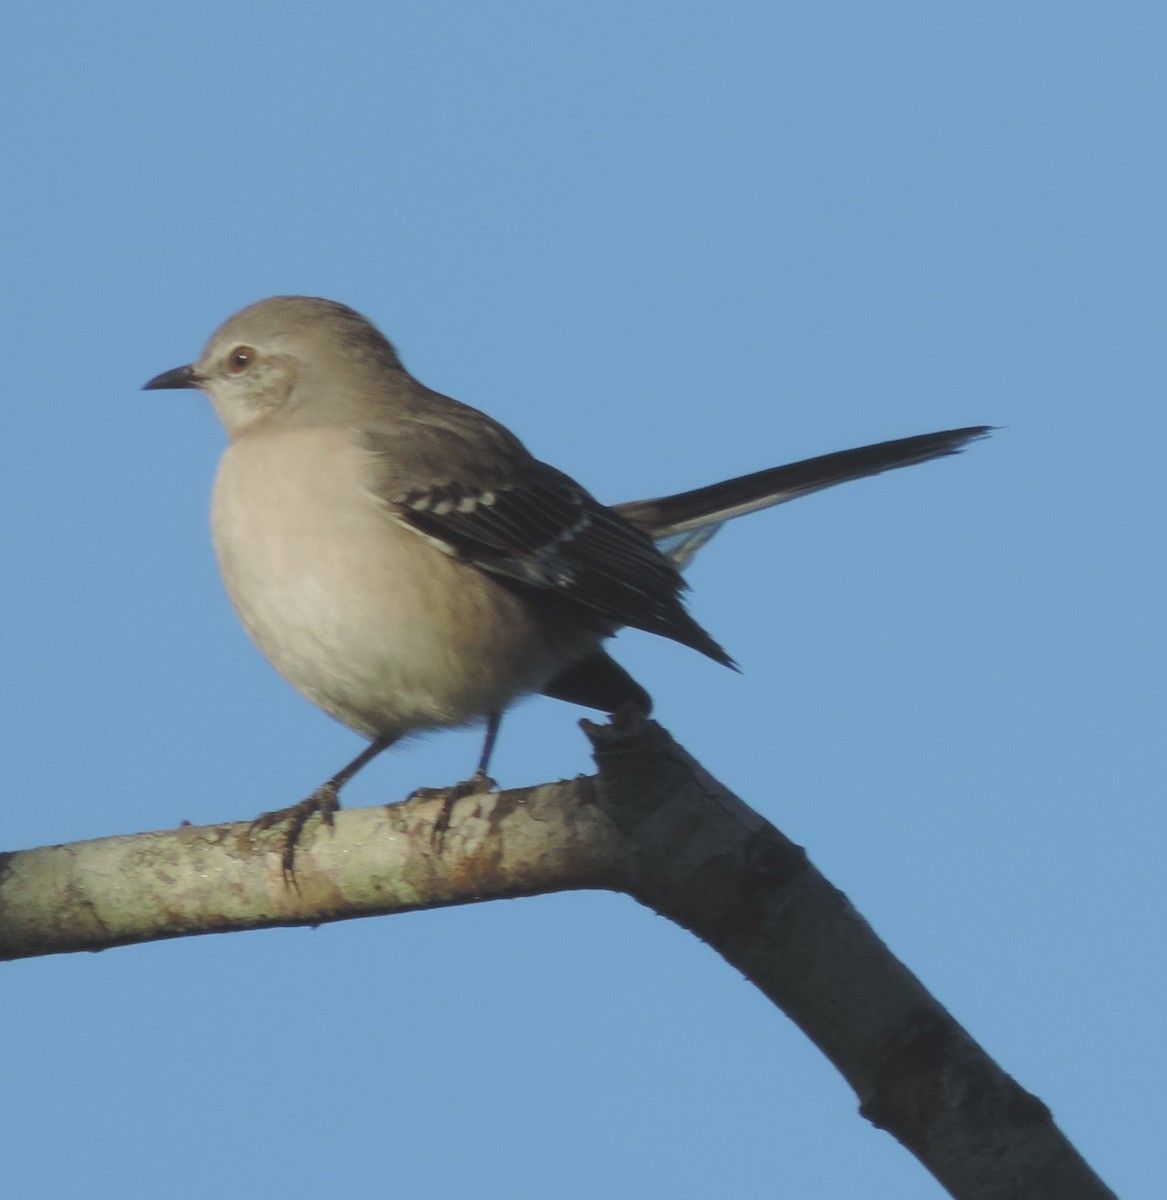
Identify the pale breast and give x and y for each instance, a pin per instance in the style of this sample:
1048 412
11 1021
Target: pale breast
367 619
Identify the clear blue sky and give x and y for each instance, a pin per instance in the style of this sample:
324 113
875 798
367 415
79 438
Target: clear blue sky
665 243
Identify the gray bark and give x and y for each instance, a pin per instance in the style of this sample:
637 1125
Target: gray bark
652 824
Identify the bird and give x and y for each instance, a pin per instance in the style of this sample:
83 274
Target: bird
407 564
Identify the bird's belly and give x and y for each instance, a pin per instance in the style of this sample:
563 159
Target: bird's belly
368 620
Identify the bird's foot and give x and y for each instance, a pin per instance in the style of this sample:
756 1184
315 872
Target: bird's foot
449 796
291 821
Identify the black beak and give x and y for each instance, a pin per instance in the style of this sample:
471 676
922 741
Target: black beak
180 377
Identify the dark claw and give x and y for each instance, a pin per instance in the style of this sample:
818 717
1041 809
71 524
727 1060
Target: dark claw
324 801
449 796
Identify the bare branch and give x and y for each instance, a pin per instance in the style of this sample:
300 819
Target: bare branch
708 862
371 861
653 824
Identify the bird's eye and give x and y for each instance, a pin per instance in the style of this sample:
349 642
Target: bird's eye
240 359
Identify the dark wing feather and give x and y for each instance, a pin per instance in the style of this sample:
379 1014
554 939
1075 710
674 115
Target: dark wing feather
540 529
456 477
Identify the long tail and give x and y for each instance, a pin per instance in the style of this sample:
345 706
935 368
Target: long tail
683 523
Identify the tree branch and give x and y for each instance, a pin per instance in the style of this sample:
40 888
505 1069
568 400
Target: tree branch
652 824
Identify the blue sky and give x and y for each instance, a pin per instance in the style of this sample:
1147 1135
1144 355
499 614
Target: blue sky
665 244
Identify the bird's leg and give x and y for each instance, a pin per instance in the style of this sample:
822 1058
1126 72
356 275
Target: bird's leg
325 800
480 772
480 781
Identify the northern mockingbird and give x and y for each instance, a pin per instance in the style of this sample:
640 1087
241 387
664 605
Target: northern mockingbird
407 564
